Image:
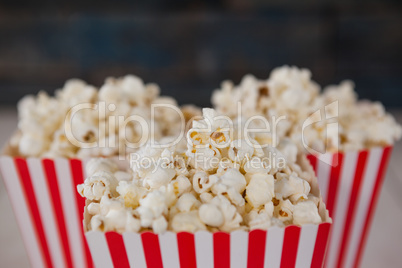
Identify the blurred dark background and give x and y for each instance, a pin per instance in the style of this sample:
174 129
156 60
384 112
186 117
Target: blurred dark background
189 47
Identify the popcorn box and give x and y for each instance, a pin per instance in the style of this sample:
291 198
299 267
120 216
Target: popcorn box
350 187
48 209
291 246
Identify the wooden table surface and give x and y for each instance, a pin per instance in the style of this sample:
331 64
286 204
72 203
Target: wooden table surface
383 247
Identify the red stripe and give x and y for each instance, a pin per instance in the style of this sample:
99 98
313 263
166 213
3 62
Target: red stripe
152 251
313 162
333 184
117 249
26 182
320 245
290 245
78 178
221 249
361 163
373 204
256 248
185 243
50 171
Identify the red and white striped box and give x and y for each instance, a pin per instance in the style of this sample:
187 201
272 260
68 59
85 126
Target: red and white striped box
292 246
48 209
350 187
49 212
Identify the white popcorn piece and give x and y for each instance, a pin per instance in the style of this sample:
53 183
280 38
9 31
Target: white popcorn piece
288 149
232 218
32 145
306 213
123 176
284 210
181 185
158 177
159 225
239 150
131 193
202 182
96 223
206 197
104 164
100 184
292 87
291 187
257 165
93 208
187 202
114 217
152 207
211 215
260 189
75 92
187 222
260 220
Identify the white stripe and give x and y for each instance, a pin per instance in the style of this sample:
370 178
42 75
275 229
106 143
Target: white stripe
21 211
99 249
169 249
323 174
70 212
365 196
238 249
273 247
305 249
134 249
204 249
341 207
48 218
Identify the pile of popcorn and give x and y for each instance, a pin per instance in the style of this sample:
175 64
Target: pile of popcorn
43 120
291 93
220 180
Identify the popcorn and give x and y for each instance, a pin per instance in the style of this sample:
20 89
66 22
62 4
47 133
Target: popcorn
181 185
260 189
211 215
283 210
31 144
75 92
159 225
292 87
231 217
88 116
187 222
122 176
114 217
131 193
290 93
306 213
259 220
101 183
243 188
239 150
202 182
61 146
93 208
187 202
291 187
152 207
104 164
